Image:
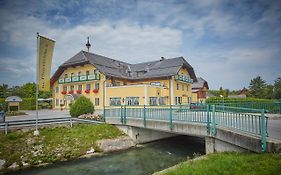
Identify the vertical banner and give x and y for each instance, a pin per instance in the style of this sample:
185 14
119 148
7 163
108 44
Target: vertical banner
45 54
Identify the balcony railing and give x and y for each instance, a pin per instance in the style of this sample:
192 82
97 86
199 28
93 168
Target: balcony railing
79 78
183 78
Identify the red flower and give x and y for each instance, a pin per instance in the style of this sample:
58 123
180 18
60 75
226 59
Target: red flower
87 91
63 92
96 91
71 92
79 91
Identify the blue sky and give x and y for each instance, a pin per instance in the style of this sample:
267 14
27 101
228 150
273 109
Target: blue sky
228 43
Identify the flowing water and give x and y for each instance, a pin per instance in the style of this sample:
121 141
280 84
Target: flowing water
150 158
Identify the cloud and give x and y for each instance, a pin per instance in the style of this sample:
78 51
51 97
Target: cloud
121 40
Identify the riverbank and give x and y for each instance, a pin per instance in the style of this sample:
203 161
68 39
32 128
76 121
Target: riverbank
228 163
21 149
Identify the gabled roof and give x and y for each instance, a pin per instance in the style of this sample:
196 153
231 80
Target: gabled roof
200 83
120 69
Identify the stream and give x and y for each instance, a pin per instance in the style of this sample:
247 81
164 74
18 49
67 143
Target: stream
147 159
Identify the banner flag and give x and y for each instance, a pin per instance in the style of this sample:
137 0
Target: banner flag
45 54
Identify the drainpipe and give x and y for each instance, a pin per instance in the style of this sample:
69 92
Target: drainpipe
104 86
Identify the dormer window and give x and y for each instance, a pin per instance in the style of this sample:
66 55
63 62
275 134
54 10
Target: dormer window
87 72
79 73
65 76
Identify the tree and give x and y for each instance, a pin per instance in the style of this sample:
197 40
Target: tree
257 87
277 88
4 91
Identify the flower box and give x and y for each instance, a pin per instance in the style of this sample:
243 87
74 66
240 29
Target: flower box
63 92
78 91
96 91
71 92
87 91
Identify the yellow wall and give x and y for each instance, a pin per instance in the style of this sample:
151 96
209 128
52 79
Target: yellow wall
182 92
91 95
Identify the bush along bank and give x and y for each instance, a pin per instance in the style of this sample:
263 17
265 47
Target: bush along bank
21 148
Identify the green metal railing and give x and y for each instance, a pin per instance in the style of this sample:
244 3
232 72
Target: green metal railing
233 118
269 107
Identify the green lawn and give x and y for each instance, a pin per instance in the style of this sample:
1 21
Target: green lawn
53 144
231 163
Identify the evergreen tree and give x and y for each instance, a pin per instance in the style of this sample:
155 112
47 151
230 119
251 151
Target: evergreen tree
257 87
277 88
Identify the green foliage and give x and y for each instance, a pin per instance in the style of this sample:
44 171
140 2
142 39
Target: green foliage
231 163
277 88
81 106
257 87
28 104
27 90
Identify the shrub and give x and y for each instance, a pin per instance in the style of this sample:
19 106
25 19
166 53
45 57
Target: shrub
81 106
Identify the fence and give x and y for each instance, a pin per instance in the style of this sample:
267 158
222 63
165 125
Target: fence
29 123
233 118
269 107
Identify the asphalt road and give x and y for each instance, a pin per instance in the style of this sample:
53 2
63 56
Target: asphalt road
43 114
274 128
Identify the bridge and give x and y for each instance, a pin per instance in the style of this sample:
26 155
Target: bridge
224 128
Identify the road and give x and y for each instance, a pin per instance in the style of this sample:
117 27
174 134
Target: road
43 114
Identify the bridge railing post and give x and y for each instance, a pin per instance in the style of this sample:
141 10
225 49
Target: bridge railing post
144 116
208 119
121 114
263 132
171 117
125 115
214 130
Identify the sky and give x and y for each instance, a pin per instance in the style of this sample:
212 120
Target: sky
228 43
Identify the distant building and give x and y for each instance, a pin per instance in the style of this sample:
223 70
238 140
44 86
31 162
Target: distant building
241 94
199 90
109 82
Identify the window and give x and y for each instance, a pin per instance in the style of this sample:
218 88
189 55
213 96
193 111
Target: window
80 87
57 89
72 74
97 101
183 87
186 87
178 86
64 88
95 71
97 85
57 102
72 88
65 76
87 73
153 101
115 101
155 83
88 86
162 101
178 100
133 101
79 73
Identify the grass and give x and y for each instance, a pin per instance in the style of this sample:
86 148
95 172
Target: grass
231 163
54 143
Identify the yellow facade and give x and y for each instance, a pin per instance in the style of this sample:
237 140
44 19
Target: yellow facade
158 91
